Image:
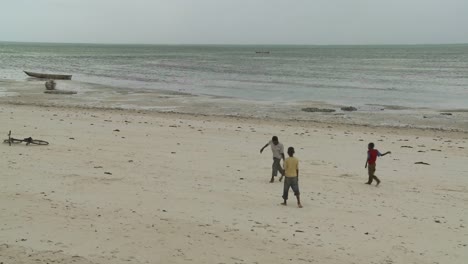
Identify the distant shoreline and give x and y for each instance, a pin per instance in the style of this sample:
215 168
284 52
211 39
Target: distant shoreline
168 102
228 44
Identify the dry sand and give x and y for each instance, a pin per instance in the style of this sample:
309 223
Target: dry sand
138 187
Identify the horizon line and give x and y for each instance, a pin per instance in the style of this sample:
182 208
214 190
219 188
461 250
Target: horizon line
231 44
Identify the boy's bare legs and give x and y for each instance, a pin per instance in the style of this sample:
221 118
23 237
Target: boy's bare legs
282 174
372 177
377 179
298 202
285 192
275 168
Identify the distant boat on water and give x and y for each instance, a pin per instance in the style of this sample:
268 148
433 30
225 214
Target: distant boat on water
49 76
262 52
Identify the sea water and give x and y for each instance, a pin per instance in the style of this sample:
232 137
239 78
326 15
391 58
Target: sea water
428 76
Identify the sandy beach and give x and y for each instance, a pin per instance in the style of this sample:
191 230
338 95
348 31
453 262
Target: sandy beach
119 186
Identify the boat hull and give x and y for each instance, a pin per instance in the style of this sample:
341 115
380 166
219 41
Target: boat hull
49 76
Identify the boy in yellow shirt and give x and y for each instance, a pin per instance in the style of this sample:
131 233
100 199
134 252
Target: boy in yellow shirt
291 171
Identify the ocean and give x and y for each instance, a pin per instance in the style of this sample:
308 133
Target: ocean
410 76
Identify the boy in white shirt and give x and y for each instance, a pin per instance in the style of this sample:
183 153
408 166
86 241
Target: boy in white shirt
278 154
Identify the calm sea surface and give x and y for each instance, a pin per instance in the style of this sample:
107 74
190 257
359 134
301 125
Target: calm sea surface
434 76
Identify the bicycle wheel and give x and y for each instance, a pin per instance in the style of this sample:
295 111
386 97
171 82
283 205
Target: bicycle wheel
39 142
13 141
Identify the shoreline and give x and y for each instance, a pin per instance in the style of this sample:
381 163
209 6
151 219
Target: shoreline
236 118
98 96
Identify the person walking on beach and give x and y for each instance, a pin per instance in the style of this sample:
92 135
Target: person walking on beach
372 155
291 171
278 154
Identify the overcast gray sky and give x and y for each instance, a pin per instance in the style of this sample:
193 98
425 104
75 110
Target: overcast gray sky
235 21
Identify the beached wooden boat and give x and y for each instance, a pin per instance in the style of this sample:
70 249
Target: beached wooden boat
48 76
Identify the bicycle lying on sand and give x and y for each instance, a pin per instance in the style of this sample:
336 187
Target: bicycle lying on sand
28 141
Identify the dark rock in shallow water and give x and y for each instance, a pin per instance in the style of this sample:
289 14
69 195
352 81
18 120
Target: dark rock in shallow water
59 92
349 108
422 163
321 110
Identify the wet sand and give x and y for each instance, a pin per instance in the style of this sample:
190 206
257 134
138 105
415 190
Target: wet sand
128 186
31 92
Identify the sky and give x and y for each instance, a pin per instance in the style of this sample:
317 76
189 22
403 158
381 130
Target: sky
316 22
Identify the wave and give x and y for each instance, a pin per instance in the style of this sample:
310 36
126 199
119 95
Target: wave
316 85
